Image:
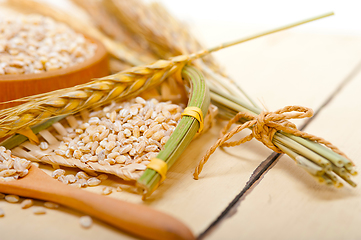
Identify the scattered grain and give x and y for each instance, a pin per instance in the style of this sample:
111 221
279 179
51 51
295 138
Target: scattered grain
12 198
44 145
107 190
27 203
51 205
39 210
86 221
57 173
93 181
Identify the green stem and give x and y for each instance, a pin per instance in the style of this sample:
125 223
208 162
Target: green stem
184 132
18 139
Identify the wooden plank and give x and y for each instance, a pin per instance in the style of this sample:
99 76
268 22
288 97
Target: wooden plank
264 67
289 204
198 203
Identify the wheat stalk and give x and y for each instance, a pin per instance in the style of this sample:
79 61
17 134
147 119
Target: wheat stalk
118 86
100 91
169 37
110 25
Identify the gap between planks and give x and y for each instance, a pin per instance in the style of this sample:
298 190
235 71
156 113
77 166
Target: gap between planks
271 160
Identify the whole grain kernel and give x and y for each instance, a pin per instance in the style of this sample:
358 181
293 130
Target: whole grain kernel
44 145
158 135
99 149
83 182
71 178
82 175
94 121
151 148
113 155
79 131
164 140
106 190
27 203
120 159
86 221
110 145
51 205
110 161
12 198
77 154
63 179
127 133
93 159
93 181
39 210
57 173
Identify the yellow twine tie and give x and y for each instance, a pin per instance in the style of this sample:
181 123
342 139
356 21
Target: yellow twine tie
27 132
197 114
159 166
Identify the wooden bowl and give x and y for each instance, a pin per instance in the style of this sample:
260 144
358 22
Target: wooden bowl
22 85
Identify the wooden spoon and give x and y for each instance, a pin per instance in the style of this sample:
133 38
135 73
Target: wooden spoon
132 218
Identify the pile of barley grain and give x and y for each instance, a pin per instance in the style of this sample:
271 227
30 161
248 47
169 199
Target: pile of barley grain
125 135
80 179
11 168
34 44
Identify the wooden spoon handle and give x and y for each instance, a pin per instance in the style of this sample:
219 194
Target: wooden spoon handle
136 219
133 218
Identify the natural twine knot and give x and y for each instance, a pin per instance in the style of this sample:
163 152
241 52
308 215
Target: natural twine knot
264 126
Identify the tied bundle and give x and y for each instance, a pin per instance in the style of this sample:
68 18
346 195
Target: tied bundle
140 25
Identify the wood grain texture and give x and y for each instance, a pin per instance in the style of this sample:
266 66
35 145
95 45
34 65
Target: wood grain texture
289 204
22 85
199 203
283 69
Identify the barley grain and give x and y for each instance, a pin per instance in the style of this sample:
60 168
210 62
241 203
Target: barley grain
39 210
57 173
27 203
82 182
44 145
107 190
71 178
81 175
51 205
12 198
110 138
93 181
86 221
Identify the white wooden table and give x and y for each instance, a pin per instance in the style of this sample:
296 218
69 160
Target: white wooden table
317 70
